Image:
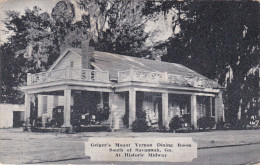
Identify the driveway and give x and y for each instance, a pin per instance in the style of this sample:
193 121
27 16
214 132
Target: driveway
17 146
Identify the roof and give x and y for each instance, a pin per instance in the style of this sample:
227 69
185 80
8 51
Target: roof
115 62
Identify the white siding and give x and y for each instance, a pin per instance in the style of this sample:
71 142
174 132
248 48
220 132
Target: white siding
52 102
6 118
6 114
49 102
61 101
65 62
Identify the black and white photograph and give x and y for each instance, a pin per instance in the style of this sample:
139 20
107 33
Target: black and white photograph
130 82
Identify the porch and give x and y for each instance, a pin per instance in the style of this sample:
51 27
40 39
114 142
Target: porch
160 108
160 95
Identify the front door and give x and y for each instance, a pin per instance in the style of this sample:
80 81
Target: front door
16 118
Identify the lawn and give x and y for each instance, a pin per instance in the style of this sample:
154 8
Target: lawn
17 146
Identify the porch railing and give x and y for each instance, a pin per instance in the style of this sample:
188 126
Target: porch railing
68 74
165 78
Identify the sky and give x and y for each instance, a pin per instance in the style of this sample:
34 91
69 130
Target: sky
161 27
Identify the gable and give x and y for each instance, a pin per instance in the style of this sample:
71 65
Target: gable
65 61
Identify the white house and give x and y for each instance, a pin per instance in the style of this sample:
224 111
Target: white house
126 85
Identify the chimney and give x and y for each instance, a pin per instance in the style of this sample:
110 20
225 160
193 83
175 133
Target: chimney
87 53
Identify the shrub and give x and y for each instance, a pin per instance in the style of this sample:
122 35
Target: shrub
220 124
186 118
240 124
125 119
212 122
206 122
140 125
175 123
141 114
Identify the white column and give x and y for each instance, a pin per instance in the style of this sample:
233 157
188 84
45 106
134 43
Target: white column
132 107
210 106
101 100
194 110
40 105
67 104
111 106
165 110
27 106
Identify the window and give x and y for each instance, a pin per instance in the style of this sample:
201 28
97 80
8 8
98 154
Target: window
71 64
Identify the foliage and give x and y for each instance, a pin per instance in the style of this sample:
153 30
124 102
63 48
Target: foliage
125 119
225 45
140 125
36 38
12 75
206 122
186 118
116 26
141 114
241 124
63 14
32 38
30 48
175 123
220 125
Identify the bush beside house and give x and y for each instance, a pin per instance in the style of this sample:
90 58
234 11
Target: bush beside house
206 122
140 124
125 119
175 123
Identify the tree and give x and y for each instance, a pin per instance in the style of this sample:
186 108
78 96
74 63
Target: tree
38 39
219 40
32 38
11 75
63 15
116 26
30 48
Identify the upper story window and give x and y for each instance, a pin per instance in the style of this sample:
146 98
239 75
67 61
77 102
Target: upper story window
71 64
